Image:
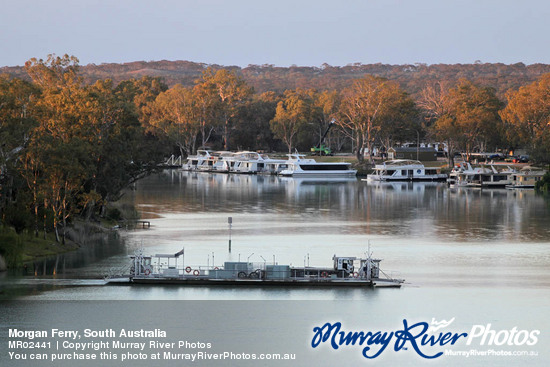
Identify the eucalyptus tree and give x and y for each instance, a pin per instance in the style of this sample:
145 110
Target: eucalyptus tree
141 92
292 115
61 143
471 120
175 114
232 92
252 129
17 103
325 110
366 105
527 115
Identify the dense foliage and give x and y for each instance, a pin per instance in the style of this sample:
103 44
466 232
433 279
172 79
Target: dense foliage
67 148
72 138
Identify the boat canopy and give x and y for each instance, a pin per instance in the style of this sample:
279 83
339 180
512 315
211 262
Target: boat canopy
402 162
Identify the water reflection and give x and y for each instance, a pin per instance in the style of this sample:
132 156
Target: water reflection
398 209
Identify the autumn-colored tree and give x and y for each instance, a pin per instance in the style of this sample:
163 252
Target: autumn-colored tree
325 109
400 121
87 146
61 131
141 92
208 108
365 107
174 113
121 153
527 114
468 118
292 115
232 92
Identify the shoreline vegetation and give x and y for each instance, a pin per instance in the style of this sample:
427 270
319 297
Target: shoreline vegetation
72 138
19 249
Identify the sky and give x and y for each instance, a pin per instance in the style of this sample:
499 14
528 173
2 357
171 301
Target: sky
278 32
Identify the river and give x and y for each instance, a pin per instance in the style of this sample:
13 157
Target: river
476 257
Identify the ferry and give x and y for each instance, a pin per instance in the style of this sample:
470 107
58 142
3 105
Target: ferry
297 165
168 269
405 170
526 178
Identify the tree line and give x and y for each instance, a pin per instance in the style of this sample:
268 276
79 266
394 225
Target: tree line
69 147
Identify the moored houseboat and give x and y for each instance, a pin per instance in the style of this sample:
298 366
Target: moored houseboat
197 161
298 166
526 178
464 175
405 170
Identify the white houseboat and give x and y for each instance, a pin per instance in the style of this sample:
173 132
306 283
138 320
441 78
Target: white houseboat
526 178
253 162
224 163
464 175
405 170
297 165
195 161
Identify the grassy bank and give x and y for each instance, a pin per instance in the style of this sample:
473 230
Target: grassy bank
24 247
20 248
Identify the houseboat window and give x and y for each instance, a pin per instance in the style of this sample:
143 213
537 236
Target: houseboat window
324 167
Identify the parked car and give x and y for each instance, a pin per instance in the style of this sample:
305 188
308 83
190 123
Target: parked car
521 159
496 156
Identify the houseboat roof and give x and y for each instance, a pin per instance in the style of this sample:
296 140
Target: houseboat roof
402 162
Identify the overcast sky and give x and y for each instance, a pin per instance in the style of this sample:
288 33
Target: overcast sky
279 32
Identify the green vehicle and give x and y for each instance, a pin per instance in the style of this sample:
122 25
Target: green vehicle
322 149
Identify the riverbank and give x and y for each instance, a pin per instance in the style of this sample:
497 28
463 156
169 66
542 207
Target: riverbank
18 249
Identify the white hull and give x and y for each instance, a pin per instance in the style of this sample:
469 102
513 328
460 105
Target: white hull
350 173
437 177
404 170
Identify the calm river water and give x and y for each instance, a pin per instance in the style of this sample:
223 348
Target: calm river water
476 256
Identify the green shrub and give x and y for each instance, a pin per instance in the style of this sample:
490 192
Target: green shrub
113 214
544 184
11 247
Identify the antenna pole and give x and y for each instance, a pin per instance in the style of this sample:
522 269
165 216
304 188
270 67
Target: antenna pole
230 222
